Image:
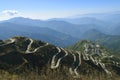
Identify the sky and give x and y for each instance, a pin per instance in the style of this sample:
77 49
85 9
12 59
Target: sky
45 9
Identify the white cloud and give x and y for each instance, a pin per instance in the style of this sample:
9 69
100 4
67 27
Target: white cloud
10 12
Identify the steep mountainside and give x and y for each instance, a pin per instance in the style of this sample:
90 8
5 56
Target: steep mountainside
109 41
18 53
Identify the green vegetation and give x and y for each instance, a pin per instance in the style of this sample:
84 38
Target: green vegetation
17 64
1 42
77 46
111 42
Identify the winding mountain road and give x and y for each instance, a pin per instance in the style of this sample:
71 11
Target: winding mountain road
74 59
53 66
29 46
11 41
79 63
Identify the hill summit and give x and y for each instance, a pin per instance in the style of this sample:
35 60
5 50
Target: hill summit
18 53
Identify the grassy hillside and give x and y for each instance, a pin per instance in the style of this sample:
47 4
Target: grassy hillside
24 58
52 75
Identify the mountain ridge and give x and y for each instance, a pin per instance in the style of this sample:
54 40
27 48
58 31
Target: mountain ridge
45 34
109 41
19 52
59 25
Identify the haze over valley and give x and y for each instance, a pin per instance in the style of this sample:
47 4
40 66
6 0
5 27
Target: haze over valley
64 32
60 40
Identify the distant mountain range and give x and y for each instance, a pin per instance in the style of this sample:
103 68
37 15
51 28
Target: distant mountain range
46 34
102 27
61 26
105 22
108 21
111 42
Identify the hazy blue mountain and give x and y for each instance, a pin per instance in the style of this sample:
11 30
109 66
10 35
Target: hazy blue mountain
87 23
63 26
60 26
80 20
94 34
108 16
25 21
109 20
9 29
116 30
91 26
